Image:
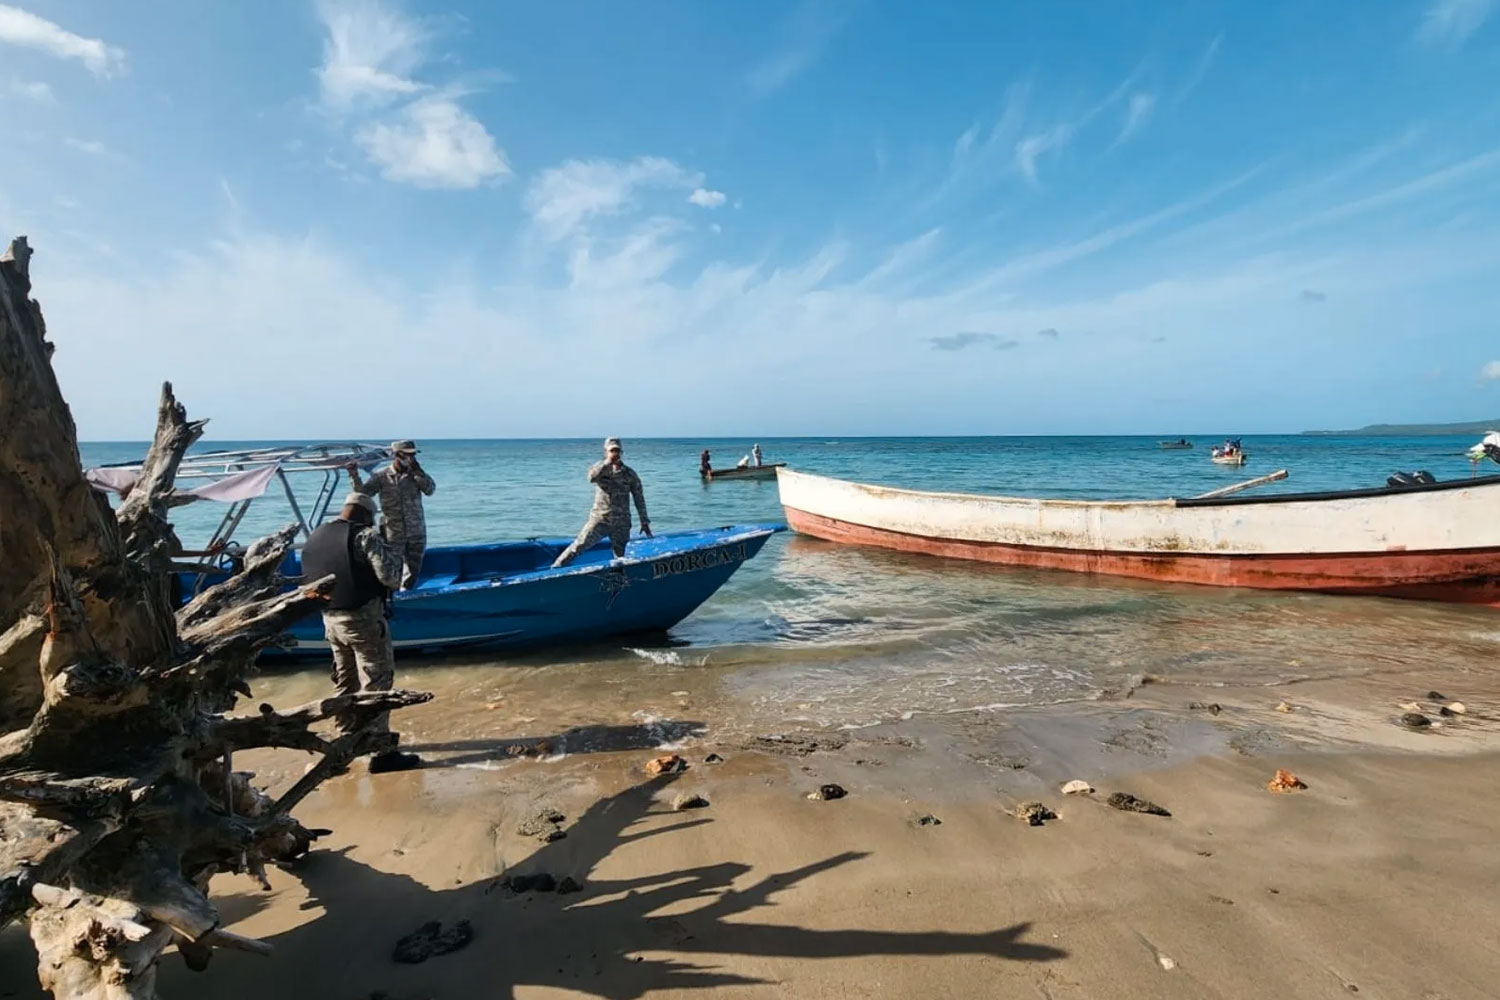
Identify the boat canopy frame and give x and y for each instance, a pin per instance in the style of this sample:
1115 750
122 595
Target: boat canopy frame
331 459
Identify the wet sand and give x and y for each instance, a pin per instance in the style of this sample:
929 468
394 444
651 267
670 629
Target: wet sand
1379 880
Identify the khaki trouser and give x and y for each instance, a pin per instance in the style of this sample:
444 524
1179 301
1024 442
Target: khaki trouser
363 657
617 529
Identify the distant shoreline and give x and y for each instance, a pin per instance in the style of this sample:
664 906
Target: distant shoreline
1413 430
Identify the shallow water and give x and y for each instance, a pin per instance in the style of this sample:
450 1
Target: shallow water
815 634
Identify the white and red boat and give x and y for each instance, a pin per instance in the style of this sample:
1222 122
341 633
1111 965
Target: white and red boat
1438 541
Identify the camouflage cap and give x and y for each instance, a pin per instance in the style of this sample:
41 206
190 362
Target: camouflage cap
405 445
611 443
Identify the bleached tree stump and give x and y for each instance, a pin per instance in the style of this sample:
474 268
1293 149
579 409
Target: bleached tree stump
118 798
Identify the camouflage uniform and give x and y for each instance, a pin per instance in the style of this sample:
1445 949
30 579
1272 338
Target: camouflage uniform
401 515
610 514
363 657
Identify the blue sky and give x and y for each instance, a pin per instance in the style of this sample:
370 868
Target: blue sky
326 218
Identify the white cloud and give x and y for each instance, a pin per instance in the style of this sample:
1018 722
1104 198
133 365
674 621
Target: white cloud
704 198
1453 21
1205 63
561 199
1136 112
19 27
369 54
31 90
833 331
433 143
413 132
1032 147
90 146
1490 372
806 35
1029 149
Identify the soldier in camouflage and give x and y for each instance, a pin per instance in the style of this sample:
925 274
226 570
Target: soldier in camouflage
615 484
365 569
401 486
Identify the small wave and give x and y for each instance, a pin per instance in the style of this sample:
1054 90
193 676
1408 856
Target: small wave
852 726
661 657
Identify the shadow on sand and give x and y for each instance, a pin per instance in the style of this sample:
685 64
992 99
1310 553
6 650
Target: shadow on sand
606 940
578 740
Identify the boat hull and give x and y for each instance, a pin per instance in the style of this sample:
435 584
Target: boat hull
1171 543
659 583
748 472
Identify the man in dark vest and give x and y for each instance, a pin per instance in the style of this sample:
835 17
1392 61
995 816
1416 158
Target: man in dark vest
365 569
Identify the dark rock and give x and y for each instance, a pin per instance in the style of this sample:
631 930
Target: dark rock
1129 803
540 882
544 826
827 793
713 758
689 800
1435 696
1211 707
431 940
1415 720
567 884
1034 813
1447 712
927 819
799 744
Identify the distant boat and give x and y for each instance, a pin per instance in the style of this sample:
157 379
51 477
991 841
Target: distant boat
1228 453
767 471
1437 541
1180 444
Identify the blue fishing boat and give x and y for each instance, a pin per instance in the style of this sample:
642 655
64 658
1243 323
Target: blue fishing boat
507 595
504 595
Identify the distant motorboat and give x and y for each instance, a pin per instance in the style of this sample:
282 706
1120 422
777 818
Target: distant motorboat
767 471
1181 444
1228 453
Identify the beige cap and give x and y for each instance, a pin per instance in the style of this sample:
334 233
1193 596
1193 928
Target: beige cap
360 500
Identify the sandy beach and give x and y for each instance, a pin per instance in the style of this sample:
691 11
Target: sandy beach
1378 879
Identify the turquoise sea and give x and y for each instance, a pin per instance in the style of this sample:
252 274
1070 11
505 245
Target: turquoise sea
811 633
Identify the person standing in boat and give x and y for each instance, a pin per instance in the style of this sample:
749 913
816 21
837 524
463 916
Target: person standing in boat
365 569
704 465
615 485
401 486
755 454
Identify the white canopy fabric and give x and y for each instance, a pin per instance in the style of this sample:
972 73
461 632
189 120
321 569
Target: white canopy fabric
236 486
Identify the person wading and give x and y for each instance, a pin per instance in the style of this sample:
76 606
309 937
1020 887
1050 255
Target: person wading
615 483
401 486
365 569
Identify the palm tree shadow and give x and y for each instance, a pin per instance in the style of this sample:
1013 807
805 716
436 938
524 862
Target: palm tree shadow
603 941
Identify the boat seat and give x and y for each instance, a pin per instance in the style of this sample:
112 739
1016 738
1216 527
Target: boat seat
437 581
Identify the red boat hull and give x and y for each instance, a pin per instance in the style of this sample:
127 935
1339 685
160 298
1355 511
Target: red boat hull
1468 576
